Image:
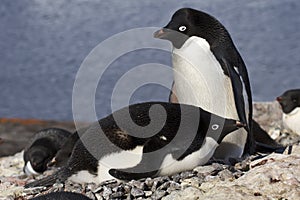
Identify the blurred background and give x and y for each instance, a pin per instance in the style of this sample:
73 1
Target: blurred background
44 42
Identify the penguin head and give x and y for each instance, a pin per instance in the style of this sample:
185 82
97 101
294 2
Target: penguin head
229 126
188 22
289 100
36 160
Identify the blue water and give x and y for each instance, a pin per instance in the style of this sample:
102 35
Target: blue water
44 42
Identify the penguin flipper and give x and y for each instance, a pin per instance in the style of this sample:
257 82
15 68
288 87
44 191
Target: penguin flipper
149 165
61 175
264 143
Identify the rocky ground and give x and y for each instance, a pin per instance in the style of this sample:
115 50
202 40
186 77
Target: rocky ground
274 176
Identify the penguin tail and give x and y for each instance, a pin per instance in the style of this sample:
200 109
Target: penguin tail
263 142
59 176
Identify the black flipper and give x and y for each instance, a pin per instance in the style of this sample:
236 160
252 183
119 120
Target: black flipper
237 87
264 143
59 176
149 165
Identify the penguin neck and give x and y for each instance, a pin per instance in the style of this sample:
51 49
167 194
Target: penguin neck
199 79
295 111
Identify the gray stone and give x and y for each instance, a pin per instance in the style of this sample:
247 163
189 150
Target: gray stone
188 193
158 194
90 195
136 192
106 192
149 182
225 174
148 193
117 195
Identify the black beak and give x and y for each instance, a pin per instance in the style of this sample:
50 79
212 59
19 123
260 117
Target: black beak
240 124
279 99
160 33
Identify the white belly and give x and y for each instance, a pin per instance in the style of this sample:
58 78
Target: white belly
292 120
200 81
120 160
172 166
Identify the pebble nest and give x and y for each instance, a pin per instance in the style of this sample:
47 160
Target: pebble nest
13 179
195 182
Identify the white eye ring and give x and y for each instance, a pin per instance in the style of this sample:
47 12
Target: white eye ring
215 127
182 28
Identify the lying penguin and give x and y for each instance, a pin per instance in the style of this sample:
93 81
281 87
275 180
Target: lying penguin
42 148
290 104
144 140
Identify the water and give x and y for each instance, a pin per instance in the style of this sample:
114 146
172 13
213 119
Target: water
43 43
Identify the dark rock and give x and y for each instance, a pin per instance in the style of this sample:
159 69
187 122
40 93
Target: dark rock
158 194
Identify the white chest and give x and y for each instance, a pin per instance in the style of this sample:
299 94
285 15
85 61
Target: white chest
120 160
200 157
292 120
200 81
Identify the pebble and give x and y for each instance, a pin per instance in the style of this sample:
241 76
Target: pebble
149 182
136 192
226 174
117 195
90 195
158 194
34 190
148 193
106 192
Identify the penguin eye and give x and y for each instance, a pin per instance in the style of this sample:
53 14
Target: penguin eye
182 28
215 127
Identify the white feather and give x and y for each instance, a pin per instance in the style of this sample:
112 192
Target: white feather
292 120
200 157
200 81
119 160
29 170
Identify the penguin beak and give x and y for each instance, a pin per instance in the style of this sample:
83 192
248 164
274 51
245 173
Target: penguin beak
161 34
279 99
52 162
240 124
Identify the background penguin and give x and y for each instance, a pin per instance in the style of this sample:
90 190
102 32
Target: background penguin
42 149
210 73
64 153
62 196
122 142
290 104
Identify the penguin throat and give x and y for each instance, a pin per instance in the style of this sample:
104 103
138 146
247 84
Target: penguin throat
294 112
199 79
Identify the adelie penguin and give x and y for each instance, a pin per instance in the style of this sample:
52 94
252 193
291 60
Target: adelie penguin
42 148
210 73
290 104
144 140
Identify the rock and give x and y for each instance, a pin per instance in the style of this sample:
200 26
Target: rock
173 186
188 193
225 174
136 192
148 193
158 194
117 195
106 192
274 177
90 195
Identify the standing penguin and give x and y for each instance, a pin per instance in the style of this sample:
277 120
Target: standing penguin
210 73
290 104
144 140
